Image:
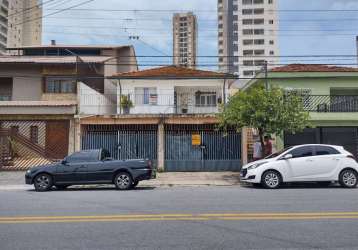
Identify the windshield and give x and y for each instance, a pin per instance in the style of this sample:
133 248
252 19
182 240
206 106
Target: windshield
278 153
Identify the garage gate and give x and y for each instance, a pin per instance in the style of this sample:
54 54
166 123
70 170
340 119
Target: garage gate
123 141
216 151
342 136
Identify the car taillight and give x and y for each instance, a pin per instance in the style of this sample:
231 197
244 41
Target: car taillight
352 157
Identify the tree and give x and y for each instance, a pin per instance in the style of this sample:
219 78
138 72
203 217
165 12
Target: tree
269 111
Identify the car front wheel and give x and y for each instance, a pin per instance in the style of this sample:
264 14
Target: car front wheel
348 178
43 182
123 181
271 179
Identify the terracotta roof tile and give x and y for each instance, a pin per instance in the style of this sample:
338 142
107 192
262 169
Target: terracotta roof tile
171 72
312 68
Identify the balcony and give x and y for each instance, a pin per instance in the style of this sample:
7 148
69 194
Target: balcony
330 103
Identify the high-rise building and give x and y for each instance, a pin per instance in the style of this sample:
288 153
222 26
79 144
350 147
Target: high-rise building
4 11
248 35
184 39
20 23
25 23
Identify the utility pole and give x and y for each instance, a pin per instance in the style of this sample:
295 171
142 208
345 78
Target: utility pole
266 76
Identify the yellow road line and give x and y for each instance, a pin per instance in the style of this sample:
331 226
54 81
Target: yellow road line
179 217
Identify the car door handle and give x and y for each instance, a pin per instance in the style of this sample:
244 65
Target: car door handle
309 160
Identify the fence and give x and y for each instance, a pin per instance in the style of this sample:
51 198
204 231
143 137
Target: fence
330 103
123 141
215 150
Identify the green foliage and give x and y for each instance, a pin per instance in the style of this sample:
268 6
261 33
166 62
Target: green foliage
125 102
270 112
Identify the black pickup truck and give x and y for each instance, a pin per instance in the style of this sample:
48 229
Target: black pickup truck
90 167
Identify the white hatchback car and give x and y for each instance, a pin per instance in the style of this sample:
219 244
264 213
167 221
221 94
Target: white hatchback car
304 163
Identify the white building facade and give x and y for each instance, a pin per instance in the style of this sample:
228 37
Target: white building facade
248 35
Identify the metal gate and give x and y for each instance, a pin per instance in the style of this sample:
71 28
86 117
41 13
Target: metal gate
123 141
342 136
216 152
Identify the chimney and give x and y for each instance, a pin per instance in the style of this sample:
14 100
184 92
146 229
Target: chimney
53 42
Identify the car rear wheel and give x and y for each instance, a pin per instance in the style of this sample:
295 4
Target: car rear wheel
271 179
348 178
43 182
123 181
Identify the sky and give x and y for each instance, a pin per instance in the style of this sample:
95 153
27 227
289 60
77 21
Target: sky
300 33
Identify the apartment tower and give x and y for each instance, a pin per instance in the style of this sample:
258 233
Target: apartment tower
20 23
184 39
247 35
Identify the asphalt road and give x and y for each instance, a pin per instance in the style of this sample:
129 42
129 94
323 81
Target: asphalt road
180 218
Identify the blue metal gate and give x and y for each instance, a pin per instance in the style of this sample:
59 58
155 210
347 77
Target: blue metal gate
217 151
124 142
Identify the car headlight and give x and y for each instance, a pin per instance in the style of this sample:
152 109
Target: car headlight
256 165
28 171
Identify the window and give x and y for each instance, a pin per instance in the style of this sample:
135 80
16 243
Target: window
205 99
247 21
270 21
248 73
272 42
300 152
258 1
247 32
34 134
259 41
245 2
248 63
270 1
259 21
60 85
247 11
325 150
248 52
259 11
272 52
259 52
248 42
259 31
146 96
83 156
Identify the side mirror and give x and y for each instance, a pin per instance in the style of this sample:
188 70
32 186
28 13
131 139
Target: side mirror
64 162
287 157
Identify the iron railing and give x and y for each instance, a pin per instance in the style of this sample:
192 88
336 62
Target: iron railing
330 103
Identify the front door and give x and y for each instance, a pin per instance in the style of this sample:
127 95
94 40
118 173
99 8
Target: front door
75 172
301 164
57 133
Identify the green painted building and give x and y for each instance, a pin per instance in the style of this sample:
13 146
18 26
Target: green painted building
329 93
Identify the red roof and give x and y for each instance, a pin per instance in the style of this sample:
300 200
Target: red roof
313 68
171 72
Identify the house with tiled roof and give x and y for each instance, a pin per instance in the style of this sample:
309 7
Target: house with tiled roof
168 114
330 94
173 90
42 91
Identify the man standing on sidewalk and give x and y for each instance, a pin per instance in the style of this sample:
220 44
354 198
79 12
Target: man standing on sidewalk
257 148
268 145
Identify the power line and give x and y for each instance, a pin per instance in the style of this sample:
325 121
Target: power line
30 8
201 10
56 12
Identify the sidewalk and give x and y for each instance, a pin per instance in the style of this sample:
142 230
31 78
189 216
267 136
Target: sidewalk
16 179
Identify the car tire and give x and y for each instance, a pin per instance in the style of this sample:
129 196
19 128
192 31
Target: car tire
43 182
61 187
348 178
123 181
271 179
135 183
